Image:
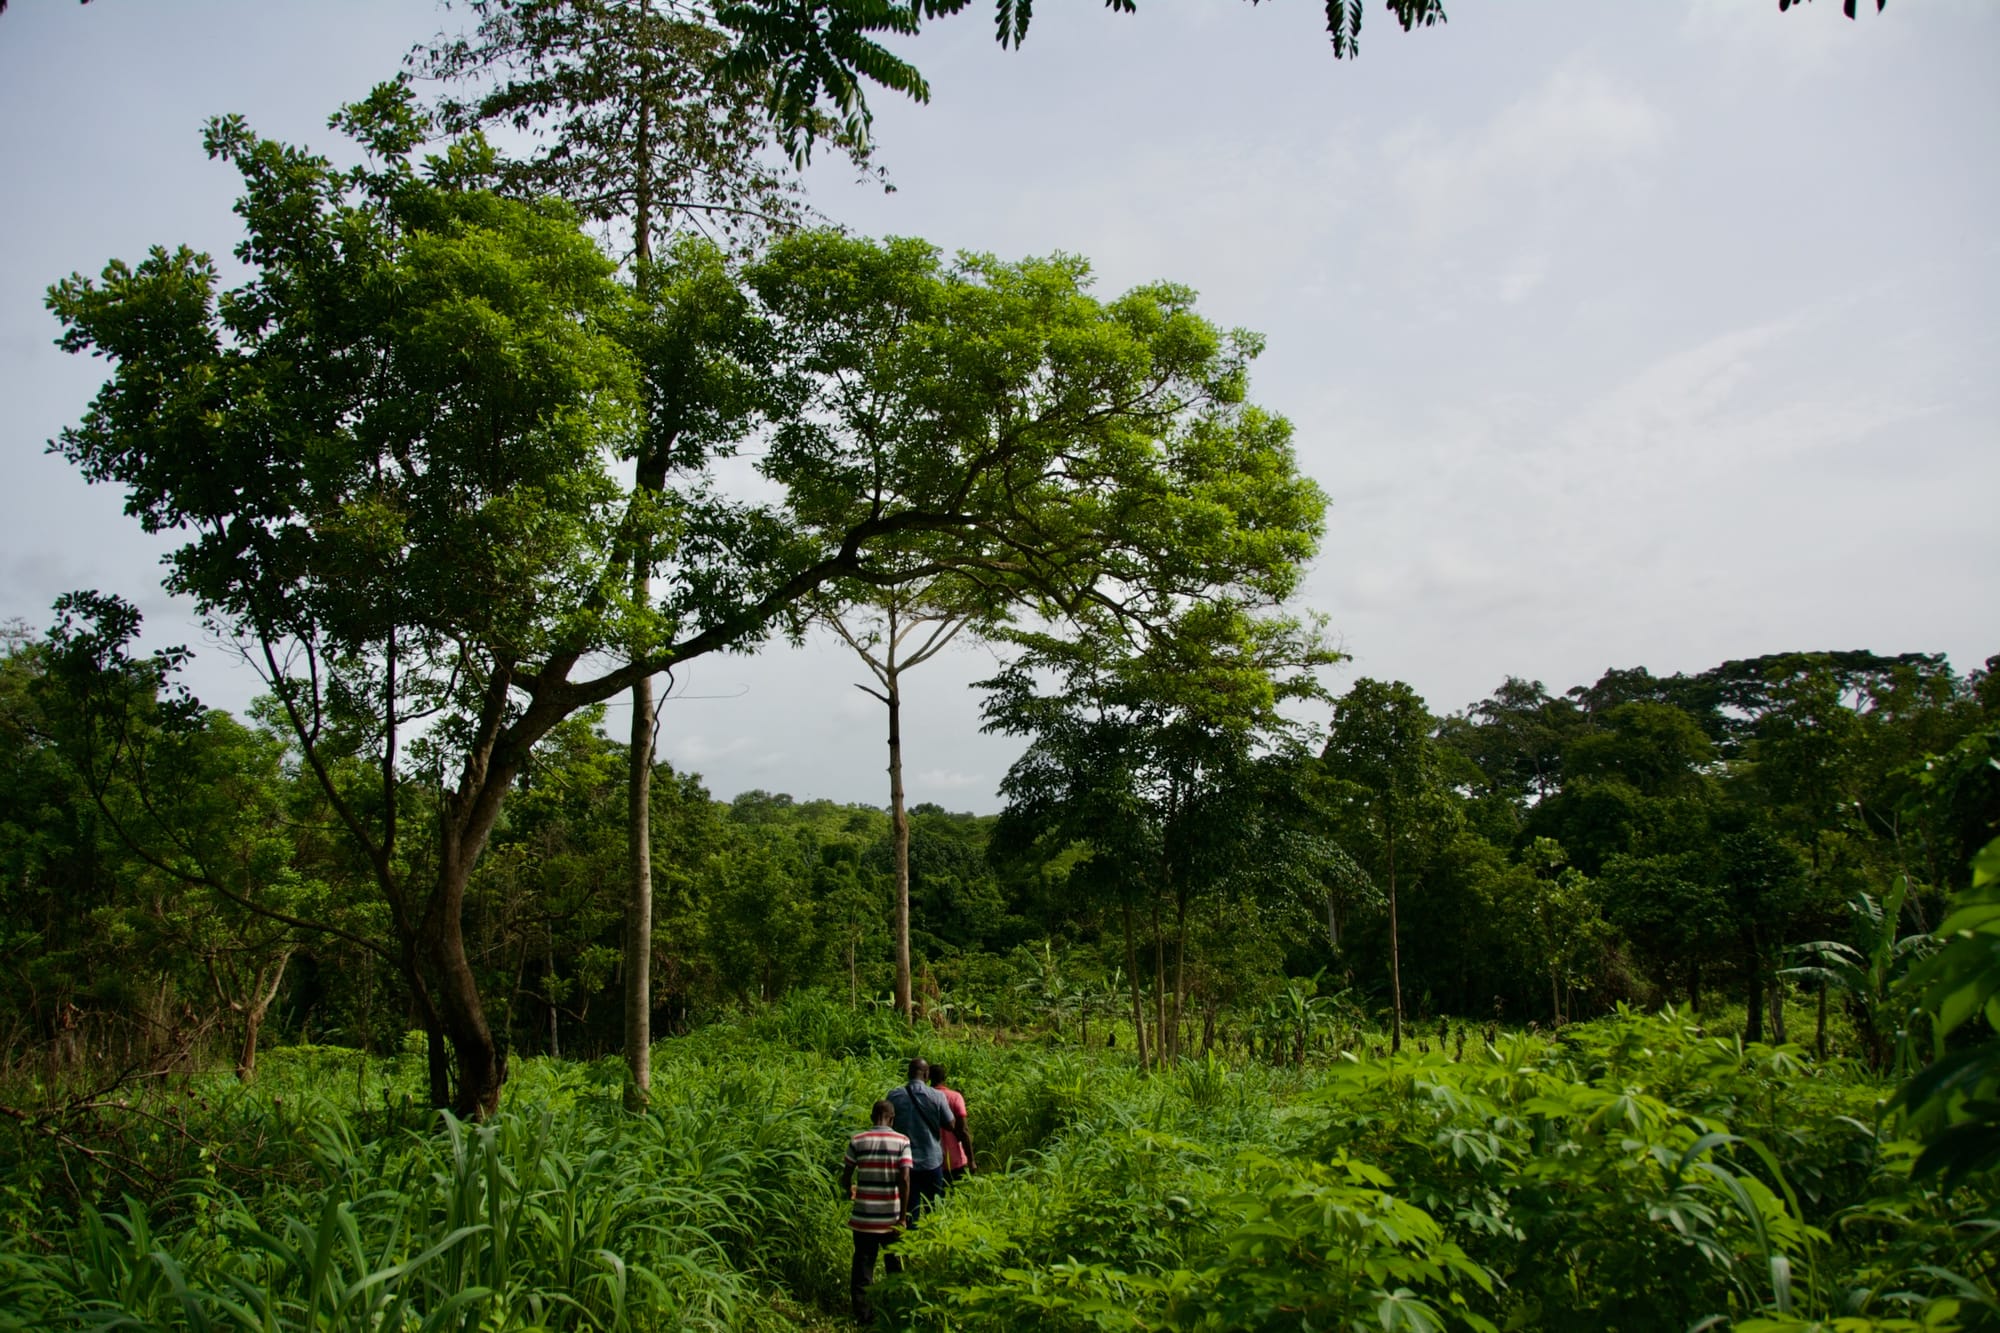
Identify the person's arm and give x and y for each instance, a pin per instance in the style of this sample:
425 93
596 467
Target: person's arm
847 1177
965 1141
903 1192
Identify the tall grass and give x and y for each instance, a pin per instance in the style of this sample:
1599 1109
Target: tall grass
1637 1174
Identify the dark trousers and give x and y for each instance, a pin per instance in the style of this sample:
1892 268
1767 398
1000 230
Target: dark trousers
926 1188
868 1244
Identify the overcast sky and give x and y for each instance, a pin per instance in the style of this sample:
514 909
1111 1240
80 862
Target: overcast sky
1619 335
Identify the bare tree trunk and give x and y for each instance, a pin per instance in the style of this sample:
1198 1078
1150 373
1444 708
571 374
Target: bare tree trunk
1180 966
1162 1036
899 832
1753 1002
549 998
639 891
1395 955
649 476
1132 971
1778 1011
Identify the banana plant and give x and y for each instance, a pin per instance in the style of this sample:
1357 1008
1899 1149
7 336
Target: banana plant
1870 977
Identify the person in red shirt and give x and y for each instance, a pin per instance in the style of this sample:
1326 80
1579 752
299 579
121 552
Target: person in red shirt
957 1140
876 1176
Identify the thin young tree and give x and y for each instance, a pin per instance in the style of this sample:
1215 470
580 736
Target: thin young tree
894 630
1400 808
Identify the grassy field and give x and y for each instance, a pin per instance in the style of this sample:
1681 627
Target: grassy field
1633 1174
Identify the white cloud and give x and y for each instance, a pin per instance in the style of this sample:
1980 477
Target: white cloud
944 779
1576 122
1519 280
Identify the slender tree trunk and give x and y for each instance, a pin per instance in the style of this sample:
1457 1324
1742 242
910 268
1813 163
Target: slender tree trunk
1180 967
1778 1032
549 998
1753 1002
1395 955
1162 1035
899 832
1132 971
650 476
639 889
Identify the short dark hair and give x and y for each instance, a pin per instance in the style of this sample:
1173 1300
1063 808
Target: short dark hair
884 1112
919 1066
937 1076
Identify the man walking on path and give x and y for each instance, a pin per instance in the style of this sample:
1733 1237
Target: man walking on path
958 1139
922 1115
876 1175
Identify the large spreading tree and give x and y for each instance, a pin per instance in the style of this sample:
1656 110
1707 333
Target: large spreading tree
389 454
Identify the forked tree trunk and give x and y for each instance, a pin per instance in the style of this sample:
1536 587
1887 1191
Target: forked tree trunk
254 1007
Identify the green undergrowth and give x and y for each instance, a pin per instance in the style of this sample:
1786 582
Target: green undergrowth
1633 1174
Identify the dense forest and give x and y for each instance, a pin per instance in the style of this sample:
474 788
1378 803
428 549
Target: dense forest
178 889
419 996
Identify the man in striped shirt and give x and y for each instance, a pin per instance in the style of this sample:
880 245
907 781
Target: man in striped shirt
876 1175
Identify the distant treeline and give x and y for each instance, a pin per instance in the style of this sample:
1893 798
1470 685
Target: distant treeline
178 889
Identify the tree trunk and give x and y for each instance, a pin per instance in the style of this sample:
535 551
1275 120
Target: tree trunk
549 999
1753 1002
1162 1036
1395 955
1180 966
246 1059
437 1053
463 1016
1778 1033
255 1006
1132 971
649 476
639 889
899 832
